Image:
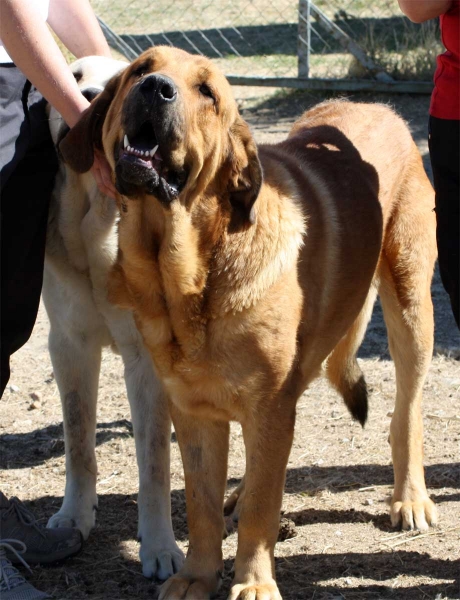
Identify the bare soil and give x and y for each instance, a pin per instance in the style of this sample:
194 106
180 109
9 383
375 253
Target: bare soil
337 539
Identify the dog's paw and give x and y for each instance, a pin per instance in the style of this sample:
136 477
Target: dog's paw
161 560
188 588
414 514
82 521
251 591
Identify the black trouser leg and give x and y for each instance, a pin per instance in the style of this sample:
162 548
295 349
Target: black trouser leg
444 144
27 181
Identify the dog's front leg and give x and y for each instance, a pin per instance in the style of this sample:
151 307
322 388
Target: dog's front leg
268 435
204 448
76 363
160 555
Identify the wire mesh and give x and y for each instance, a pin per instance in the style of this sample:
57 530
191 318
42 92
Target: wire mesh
264 38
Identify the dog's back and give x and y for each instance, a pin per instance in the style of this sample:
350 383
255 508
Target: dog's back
360 181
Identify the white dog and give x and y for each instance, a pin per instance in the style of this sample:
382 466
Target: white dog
81 249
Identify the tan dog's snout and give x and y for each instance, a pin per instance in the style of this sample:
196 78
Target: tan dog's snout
158 89
154 98
154 103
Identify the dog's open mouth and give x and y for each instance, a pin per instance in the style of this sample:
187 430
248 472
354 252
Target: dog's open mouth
141 164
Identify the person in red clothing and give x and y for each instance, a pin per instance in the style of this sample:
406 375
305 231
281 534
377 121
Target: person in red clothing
444 138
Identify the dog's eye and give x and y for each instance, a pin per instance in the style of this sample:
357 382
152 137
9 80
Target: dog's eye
78 75
141 70
205 90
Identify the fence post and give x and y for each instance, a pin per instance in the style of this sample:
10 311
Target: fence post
303 40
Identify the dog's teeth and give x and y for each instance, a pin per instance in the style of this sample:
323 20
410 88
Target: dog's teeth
136 151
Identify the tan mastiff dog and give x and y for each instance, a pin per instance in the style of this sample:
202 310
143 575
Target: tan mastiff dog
248 270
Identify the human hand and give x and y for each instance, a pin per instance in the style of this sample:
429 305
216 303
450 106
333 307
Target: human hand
102 173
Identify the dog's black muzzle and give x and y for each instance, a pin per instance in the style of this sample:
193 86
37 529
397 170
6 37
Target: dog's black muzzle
152 122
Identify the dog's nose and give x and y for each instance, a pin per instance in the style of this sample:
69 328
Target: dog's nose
91 93
159 87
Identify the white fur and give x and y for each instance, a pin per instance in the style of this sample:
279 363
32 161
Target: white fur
81 249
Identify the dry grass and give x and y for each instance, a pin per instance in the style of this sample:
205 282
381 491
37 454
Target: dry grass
411 55
260 37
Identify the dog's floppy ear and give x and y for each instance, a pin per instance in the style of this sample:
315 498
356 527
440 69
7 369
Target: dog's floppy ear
77 147
245 175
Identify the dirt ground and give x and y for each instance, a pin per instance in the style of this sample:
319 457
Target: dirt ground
339 540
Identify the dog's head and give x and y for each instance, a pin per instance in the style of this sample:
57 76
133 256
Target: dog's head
170 129
92 73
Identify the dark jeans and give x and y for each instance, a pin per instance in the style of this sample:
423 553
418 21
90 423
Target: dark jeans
444 143
28 165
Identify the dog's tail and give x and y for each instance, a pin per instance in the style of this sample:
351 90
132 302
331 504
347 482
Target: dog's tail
351 385
342 368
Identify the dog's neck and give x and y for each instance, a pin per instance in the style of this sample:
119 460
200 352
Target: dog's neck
198 270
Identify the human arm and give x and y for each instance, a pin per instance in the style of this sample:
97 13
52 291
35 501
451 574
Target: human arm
34 51
76 25
419 11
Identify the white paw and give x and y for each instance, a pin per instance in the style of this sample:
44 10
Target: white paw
160 560
82 521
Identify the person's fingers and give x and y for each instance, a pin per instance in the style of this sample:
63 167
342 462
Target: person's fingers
102 173
95 171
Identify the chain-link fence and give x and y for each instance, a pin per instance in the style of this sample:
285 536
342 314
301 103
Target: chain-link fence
341 44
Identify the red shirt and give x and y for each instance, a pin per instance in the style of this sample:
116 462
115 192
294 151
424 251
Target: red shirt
445 100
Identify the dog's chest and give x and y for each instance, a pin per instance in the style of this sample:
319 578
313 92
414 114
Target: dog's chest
216 368
82 238
218 332
87 224
197 373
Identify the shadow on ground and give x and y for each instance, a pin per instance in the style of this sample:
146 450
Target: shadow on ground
306 480
25 450
299 576
32 448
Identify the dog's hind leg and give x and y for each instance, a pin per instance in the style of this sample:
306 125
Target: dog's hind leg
406 270
76 364
232 507
342 368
